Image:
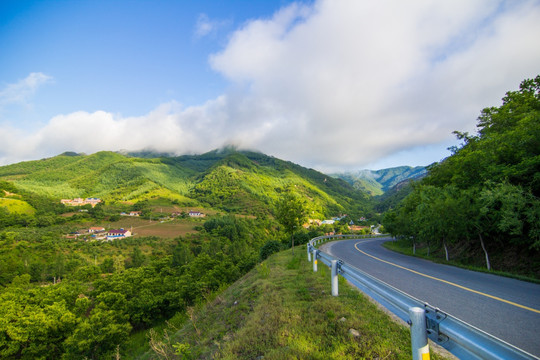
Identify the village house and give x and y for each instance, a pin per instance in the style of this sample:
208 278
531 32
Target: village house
92 201
80 201
118 234
131 213
72 202
94 232
73 235
196 214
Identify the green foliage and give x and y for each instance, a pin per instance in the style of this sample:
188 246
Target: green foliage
183 351
182 254
68 298
137 258
291 212
485 197
104 174
97 336
108 290
233 181
17 206
33 321
7 187
227 226
269 248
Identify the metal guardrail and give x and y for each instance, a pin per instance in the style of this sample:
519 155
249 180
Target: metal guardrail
458 337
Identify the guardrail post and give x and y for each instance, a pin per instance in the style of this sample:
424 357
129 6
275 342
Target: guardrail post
334 278
309 253
419 342
315 260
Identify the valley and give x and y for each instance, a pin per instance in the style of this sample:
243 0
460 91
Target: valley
101 254
95 249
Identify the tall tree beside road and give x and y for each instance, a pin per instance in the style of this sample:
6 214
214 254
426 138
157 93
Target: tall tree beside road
291 213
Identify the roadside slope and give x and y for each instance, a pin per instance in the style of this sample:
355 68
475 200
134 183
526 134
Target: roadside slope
283 310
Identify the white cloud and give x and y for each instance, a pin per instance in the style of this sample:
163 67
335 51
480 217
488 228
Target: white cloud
337 83
169 128
21 91
355 81
205 26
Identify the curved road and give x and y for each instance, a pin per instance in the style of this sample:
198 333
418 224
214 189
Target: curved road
506 308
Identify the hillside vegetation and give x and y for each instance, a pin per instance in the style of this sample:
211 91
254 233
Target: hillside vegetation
482 204
75 299
283 310
16 206
67 295
230 180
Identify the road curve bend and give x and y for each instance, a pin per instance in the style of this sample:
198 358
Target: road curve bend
506 308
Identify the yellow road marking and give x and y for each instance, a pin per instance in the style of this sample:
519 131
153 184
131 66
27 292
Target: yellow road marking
448 282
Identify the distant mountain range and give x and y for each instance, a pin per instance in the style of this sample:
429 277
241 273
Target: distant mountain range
380 181
229 180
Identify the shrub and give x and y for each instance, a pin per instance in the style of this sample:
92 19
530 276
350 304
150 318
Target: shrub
269 248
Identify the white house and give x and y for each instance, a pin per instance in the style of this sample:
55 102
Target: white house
118 234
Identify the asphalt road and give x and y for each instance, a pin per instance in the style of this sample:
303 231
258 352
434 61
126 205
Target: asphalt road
506 308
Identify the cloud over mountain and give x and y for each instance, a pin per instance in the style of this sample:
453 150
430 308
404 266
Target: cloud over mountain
333 83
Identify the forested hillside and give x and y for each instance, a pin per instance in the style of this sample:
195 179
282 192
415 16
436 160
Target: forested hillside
481 205
229 180
66 293
75 299
378 182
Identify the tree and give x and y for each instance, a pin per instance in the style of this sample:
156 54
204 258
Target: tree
119 264
291 213
488 189
137 257
107 266
514 213
98 336
182 254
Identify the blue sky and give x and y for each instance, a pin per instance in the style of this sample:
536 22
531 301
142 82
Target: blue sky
125 57
329 84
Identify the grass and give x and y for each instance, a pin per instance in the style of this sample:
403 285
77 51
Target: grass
17 206
283 310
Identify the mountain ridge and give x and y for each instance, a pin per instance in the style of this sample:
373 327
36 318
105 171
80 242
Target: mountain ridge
378 182
225 179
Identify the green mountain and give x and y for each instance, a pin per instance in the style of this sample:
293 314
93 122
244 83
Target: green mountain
230 180
380 181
